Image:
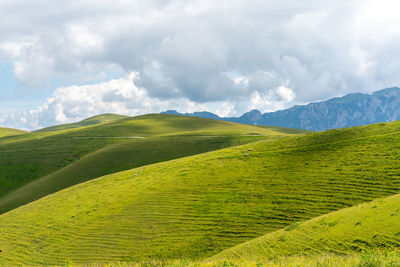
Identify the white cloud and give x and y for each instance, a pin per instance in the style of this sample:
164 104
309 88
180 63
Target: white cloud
121 96
85 39
185 49
241 79
41 64
273 100
286 93
14 49
226 109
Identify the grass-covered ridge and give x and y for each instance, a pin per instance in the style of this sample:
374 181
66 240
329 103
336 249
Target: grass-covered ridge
36 164
195 207
104 118
10 132
365 227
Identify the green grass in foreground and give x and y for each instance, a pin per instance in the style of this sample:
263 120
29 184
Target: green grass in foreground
10 132
366 226
369 258
36 164
194 207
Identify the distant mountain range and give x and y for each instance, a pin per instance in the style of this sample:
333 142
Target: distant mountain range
339 112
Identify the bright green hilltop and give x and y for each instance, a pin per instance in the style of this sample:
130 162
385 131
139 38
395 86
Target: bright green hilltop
87 122
195 207
9 132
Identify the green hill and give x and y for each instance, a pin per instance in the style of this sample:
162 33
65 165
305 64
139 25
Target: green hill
195 207
373 225
36 164
104 118
9 132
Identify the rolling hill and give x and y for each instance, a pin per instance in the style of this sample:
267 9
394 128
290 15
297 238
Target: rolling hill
370 225
9 132
36 164
197 206
104 118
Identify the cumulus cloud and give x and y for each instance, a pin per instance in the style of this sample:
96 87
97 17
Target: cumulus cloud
271 101
209 51
122 96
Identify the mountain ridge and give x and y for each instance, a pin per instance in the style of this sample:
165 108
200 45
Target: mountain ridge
353 109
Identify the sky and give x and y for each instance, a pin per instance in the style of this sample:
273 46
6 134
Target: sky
63 61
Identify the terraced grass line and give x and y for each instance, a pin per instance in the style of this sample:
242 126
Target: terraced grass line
35 164
367 258
114 158
10 132
368 226
195 207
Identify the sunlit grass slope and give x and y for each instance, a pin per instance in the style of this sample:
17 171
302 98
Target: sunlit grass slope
369 258
104 118
9 132
195 207
116 157
368 226
36 164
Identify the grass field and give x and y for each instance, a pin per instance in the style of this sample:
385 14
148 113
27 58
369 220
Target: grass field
369 258
367 226
195 207
9 132
36 164
104 118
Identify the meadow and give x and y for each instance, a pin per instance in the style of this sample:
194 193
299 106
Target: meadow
193 208
369 258
36 164
360 228
9 132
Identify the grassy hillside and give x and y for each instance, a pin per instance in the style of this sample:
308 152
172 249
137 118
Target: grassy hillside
370 258
40 163
116 157
197 206
104 118
370 226
9 132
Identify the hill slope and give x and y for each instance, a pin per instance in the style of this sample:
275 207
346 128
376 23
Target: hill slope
349 110
104 118
197 206
40 163
367 226
9 132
